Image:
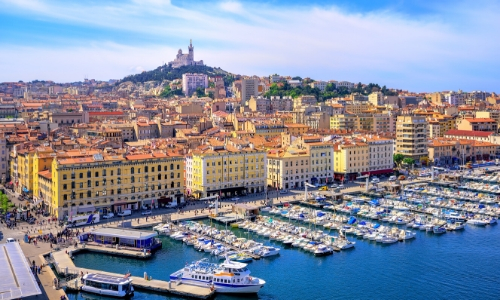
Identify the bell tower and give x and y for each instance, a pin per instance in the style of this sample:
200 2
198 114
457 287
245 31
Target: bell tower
191 50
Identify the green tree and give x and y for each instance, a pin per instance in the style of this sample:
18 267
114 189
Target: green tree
408 161
331 87
200 92
4 202
211 95
398 158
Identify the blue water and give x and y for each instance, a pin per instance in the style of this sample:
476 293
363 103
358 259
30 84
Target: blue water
456 265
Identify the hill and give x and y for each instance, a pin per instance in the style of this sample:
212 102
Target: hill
166 72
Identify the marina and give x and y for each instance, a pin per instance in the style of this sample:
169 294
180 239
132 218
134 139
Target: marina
384 232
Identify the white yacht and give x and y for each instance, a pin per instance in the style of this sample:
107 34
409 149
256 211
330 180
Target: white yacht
267 251
323 250
228 277
108 285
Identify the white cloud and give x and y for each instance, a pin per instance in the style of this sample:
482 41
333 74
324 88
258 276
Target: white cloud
454 50
231 6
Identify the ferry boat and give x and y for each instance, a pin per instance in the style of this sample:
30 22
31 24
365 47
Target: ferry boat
108 285
228 277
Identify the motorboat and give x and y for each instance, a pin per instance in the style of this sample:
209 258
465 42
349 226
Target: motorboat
228 277
408 235
388 240
323 250
267 251
107 285
439 229
478 222
240 257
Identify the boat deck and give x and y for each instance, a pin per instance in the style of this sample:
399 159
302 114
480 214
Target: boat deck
65 264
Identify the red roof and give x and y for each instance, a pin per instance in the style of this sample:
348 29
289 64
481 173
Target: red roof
469 133
480 120
106 113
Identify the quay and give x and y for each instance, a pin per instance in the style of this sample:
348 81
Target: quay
107 249
65 266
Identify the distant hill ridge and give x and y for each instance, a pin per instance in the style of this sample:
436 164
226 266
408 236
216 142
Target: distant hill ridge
166 72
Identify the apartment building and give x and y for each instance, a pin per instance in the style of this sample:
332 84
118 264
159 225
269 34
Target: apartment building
249 88
477 124
114 182
226 168
411 136
192 81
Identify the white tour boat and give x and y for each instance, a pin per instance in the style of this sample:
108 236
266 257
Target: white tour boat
108 285
229 277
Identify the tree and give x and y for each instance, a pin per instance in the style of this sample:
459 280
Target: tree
408 161
211 95
398 158
4 202
331 87
200 92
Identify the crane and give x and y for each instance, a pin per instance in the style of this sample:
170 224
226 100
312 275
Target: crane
307 184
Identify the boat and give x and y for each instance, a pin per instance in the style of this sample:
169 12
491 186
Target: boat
388 240
228 277
108 285
439 229
478 222
323 250
267 251
240 257
408 235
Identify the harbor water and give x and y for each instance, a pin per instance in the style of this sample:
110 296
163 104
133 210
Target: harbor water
456 265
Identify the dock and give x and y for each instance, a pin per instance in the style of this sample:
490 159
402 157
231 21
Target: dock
106 249
65 266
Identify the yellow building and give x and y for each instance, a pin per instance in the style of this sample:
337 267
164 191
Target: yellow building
296 129
114 182
344 122
232 167
352 158
23 169
267 129
288 168
41 162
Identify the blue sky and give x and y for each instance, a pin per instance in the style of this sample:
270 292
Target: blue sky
413 45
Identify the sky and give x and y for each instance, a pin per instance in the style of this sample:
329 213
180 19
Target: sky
420 46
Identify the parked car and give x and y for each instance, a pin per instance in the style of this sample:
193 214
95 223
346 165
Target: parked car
11 240
392 178
323 188
108 215
212 205
124 213
235 199
401 177
333 186
284 192
146 212
375 180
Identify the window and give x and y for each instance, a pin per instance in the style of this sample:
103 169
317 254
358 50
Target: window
132 179
103 173
81 175
89 183
81 195
65 186
159 168
89 174
89 194
171 166
132 170
178 167
145 169
97 183
73 184
111 172
81 185
65 177
119 171
65 197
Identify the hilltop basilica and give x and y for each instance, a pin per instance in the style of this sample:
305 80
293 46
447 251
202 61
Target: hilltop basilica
185 59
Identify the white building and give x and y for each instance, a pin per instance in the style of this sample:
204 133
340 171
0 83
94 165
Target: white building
321 85
185 59
190 82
